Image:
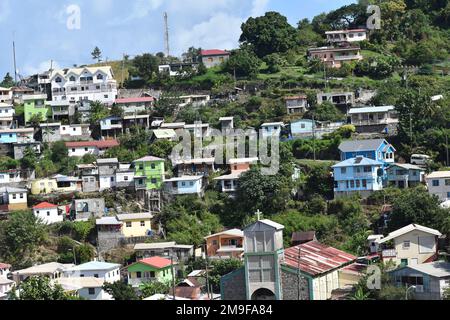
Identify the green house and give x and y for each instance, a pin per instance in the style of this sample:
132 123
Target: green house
35 104
149 173
156 269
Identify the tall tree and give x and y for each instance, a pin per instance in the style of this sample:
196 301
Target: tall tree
7 82
268 34
96 54
41 288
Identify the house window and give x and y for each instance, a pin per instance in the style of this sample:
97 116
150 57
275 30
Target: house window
14 196
183 184
138 274
48 213
448 195
125 178
141 167
154 181
364 183
96 275
91 291
72 78
358 183
58 80
73 150
191 184
152 274
99 77
214 242
367 169
406 245
142 223
352 184
343 170
153 166
447 182
128 224
435 183
21 196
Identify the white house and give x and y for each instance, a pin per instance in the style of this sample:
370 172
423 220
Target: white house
438 184
354 35
89 288
5 283
109 272
6 115
48 213
89 83
5 94
81 148
271 129
410 245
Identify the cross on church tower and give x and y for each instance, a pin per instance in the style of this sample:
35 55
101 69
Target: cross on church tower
258 214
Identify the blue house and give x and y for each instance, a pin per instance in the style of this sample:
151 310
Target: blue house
425 281
357 175
184 185
375 149
7 136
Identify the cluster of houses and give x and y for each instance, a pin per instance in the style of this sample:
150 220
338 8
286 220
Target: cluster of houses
308 270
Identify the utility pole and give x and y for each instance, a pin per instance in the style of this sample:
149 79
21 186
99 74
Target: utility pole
15 63
299 276
446 148
173 277
314 136
166 34
207 273
123 67
410 130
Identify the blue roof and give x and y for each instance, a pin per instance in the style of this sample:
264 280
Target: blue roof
95 265
359 161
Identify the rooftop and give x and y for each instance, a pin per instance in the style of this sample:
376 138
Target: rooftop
315 258
148 159
46 268
371 109
358 161
135 100
438 174
77 283
361 145
134 216
107 221
95 265
45 205
214 52
184 178
407 229
156 262
231 233
439 269
99 144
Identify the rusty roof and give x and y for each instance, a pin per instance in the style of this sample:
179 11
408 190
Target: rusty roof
316 258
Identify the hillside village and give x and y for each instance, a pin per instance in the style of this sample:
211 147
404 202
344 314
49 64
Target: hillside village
94 206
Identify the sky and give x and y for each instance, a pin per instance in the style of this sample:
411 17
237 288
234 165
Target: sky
66 31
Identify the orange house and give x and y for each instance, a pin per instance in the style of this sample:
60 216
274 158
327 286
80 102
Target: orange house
226 244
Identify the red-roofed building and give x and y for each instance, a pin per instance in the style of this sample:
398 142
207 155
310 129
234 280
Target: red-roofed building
48 213
97 148
214 57
150 269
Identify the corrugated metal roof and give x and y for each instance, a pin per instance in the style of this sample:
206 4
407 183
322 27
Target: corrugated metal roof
371 109
407 229
316 258
361 145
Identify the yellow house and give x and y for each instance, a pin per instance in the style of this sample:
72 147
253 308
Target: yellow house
43 186
410 245
135 224
58 183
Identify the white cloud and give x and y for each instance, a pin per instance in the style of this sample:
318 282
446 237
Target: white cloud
101 6
43 66
221 31
5 10
259 7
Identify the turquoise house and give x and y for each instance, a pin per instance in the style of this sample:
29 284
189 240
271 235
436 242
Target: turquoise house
8 137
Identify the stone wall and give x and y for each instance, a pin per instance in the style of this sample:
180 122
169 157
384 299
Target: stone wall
290 286
233 286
